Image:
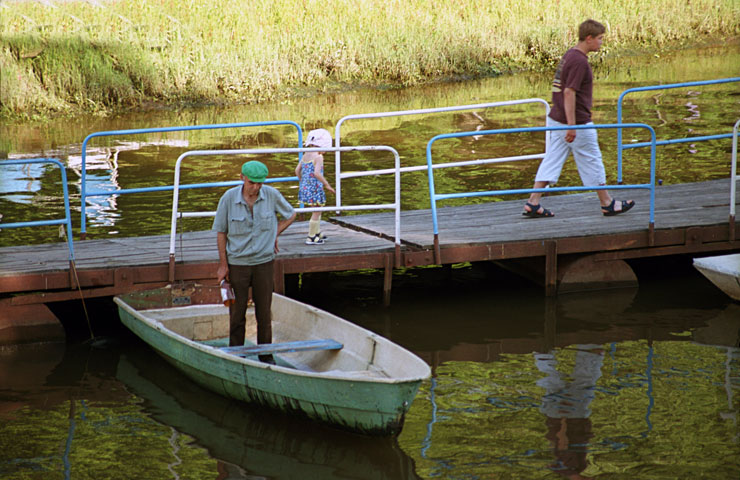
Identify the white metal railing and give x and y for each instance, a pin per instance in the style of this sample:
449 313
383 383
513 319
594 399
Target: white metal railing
733 172
337 132
396 205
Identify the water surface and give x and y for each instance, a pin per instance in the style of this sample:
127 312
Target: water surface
623 384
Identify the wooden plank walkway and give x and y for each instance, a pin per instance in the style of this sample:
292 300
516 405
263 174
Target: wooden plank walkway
191 247
690 218
676 206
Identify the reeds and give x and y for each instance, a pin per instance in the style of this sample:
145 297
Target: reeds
99 56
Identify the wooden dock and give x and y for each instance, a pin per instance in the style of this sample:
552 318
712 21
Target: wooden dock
578 248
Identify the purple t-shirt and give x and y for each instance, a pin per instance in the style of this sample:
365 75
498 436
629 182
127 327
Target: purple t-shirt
573 72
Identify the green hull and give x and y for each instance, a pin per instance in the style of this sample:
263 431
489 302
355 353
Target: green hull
361 405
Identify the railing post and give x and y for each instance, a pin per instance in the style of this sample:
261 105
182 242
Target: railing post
733 180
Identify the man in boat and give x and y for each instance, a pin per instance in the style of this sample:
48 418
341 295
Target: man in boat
247 227
572 97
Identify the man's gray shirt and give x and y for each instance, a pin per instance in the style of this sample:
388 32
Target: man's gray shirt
250 234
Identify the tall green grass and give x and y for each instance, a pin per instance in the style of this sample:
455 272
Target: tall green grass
70 56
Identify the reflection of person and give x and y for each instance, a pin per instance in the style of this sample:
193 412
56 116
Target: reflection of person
310 172
566 405
248 227
572 97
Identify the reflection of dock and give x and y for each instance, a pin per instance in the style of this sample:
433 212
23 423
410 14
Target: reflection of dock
578 248
101 163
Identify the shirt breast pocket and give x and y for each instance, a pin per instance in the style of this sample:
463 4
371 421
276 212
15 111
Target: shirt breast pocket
266 221
238 226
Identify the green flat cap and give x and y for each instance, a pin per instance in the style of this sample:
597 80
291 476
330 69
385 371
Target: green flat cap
255 171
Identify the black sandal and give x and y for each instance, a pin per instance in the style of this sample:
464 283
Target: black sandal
534 211
610 212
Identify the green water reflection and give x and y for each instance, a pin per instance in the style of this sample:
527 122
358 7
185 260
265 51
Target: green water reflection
632 410
620 385
138 161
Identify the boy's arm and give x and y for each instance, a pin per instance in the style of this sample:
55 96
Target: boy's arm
569 105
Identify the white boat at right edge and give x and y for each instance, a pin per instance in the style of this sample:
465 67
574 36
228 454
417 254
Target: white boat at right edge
723 271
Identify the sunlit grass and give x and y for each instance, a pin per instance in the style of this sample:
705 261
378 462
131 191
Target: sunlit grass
59 56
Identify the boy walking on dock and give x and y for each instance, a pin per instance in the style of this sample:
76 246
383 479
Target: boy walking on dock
572 98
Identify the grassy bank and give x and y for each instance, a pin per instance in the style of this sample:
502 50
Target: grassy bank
62 57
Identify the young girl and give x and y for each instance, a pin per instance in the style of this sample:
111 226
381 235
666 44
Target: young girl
310 172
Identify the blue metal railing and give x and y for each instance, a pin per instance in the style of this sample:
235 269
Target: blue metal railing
83 183
621 146
67 220
434 197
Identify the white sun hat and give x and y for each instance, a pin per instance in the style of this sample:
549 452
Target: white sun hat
318 138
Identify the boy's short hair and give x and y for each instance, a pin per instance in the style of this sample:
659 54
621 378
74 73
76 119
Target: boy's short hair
590 27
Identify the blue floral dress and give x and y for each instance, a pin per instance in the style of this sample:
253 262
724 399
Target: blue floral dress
310 190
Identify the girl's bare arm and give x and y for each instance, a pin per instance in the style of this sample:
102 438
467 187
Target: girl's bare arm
318 166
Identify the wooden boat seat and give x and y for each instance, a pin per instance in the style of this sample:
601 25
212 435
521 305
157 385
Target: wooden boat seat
286 347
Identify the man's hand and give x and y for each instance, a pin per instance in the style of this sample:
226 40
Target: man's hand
222 272
570 135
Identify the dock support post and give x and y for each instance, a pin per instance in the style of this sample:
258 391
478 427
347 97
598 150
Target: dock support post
171 269
551 268
437 251
387 279
72 275
732 228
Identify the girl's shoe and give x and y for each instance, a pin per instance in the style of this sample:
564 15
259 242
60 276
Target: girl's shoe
315 240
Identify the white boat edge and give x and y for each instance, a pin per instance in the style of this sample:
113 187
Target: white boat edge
723 271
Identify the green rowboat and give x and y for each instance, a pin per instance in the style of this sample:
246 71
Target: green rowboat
332 371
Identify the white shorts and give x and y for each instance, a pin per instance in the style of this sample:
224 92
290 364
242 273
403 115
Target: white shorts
586 152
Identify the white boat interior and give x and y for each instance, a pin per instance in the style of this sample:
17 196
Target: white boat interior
363 354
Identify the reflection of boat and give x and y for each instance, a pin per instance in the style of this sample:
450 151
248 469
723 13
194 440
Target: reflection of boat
262 444
723 271
366 386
